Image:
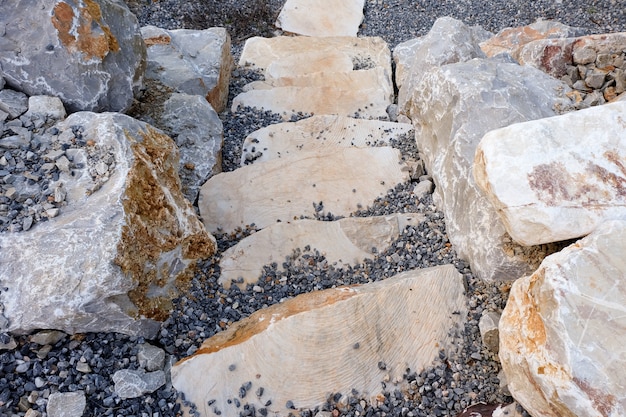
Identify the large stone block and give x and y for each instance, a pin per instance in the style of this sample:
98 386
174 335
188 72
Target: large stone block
89 53
115 256
195 62
556 178
563 331
321 17
324 342
452 108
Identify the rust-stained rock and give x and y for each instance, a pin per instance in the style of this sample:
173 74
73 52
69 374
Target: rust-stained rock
563 331
556 178
89 53
310 183
342 242
326 342
117 254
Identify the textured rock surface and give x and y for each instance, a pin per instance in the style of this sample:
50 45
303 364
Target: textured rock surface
89 54
66 404
343 242
562 333
198 133
318 133
452 108
557 178
321 17
278 348
308 62
195 62
135 383
306 184
447 42
114 254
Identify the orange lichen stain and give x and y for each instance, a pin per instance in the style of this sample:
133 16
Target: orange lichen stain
82 38
604 403
534 325
259 321
158 40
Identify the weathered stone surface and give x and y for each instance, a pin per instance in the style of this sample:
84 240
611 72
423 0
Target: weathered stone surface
321 17
151 358
309 62
452 108
195 62
489 333
318 133
343 242
113 257
45 107
447 42
89 54
66 404
15 103
557 178
284 189
197 130
135 383
562 332
510 40
363 343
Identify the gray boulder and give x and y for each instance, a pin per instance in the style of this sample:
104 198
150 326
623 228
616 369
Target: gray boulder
89 54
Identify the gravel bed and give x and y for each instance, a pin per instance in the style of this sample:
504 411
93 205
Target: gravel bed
31 370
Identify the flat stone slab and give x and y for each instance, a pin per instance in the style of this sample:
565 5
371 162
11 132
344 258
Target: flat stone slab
557 178
562 333
325 342
320 134
284 189
309 62
321 17
347 241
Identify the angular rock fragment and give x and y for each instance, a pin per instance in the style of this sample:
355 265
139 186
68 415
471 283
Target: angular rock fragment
318 133
113 258
556 178
89 53
452 108
344 242
562 333
306 184
66 404
321 17
367 334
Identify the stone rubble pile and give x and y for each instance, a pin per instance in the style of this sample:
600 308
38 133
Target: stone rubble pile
99 232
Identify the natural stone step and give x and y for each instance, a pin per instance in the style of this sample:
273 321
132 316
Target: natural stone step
318 133
562 333
556 178
284 189
309 62
297 352
321 17
343 242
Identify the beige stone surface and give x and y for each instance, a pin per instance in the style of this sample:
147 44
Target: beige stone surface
308 62
557 178
284 189
321 17
320 134
326 342
563 331
343 242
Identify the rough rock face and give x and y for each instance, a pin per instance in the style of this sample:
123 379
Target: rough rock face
452 108
321 17
275 353
198 133
89 53
447 42
562 333
557 178
113 258
195 62
343 242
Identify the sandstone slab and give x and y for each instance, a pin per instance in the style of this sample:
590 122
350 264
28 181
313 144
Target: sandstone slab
452 109
368 333
320 134
284 189
195 62
309 62
89 54
113 258
347 241
556 178
321 17
563 331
